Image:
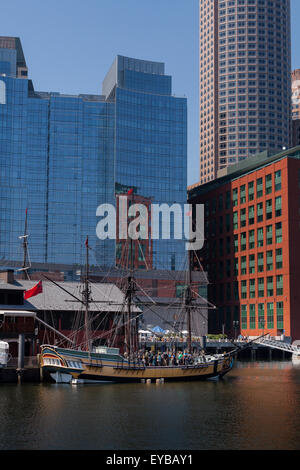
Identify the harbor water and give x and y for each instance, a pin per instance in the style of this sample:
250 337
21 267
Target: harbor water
256 406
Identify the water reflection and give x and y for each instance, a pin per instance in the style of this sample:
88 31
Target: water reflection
255 407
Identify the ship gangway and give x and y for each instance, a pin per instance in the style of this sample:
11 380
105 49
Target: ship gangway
281 345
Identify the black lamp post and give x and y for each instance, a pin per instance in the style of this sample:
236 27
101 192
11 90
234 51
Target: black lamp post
235 326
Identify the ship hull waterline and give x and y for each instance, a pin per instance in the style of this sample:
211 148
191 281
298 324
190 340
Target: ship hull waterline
69 366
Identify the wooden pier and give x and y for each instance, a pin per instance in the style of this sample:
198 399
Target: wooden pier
29 373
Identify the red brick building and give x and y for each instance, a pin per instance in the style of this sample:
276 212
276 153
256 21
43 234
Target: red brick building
252 247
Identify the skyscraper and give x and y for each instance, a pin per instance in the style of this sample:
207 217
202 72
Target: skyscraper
245 83
62 156
296 94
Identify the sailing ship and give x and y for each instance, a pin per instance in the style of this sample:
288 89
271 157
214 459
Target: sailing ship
107 364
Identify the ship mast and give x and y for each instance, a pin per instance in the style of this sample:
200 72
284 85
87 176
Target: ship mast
131 332
188 302
25 250
86 298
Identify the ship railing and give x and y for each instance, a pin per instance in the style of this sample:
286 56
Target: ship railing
130 365
96 363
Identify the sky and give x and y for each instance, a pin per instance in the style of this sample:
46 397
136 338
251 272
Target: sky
69 45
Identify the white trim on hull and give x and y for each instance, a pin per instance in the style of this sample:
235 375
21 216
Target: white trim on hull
61 378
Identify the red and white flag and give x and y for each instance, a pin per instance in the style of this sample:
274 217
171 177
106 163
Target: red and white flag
35 290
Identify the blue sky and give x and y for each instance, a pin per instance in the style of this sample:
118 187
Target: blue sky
70 44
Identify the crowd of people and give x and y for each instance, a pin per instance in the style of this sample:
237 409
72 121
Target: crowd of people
169 358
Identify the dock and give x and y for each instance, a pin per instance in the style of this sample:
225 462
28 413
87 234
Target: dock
30 372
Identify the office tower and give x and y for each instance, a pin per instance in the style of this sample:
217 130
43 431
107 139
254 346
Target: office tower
245 65
62 156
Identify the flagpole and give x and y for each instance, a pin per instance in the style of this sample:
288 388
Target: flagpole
25 272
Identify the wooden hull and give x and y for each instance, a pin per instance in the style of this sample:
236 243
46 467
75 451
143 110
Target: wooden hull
82 367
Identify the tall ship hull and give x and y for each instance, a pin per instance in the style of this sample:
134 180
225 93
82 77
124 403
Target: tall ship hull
73 366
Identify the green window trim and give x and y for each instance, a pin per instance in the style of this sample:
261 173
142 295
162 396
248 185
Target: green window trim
251 264
260 287
278 206
260 262
268 183
270 315
260 237
278 232
279 284
259 187
243 265
252 291
244 320
278 180
269 234
252 316
259 212
279 315
244 289
261 316
251 215
270 260
270 286
279 259
251 190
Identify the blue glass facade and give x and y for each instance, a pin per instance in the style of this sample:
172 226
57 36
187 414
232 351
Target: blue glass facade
62 156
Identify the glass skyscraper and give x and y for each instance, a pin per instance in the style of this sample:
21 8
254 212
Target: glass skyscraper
62 156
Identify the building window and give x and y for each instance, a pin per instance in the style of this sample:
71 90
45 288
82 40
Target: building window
269 209
244 316
180 290
268 184
269 234
243 217
279 315
260 237
252 316
251 215
260 262
261 287
278 180
251 191
243 265
270 260
279 284
259 187
251 239
278 206
259 209
261 316
243 241
251 264
278 232
236 243
252 292
235 197
243 194
235 221
270 289
244 289
270 315
279 258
